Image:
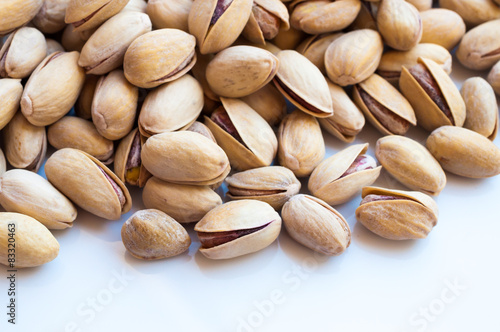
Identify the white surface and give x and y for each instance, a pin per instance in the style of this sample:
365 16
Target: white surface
376 285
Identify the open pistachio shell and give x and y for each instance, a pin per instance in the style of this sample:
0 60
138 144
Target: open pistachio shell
14 14
329 183
265 20
302 83
169 14
397 214
443 27
11 91
314 48
85 14
429 115
268 102
88 183
127 165
247 226
479 48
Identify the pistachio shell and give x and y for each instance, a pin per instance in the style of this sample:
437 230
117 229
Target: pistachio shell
50 18
288 39
421 5
169 13
135 6
411 217
125 156
52 88
14 14
366 18
301 82
184 203
30 194
464 152
265 20
35 245
53 46
10 95
201 129
85 15
314 48
72 40
3 163
328 183
473 12
443 27
494 78
411 164
240 215
480 47
268 102
199 72
81 178
399 24
83 106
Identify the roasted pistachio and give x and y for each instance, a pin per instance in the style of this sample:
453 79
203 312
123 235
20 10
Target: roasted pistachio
288 39
83 106
85 15
128 165
480 47
268 102
14 14
399 24
135 6
473 12
443 27
201 129
169 13
3 163
53 46
10 95
265 20
421 5
494 78
50 18
314 48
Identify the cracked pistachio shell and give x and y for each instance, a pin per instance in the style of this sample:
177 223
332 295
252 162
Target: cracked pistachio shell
30 194
216 27
399 24
171 106
480 47
482 107
184 203
52 88
77 133
326 181
411 164
301 145
239 71
21 53
316 225
392 62
314 49
135 177
494 78
25 144
421 5
464 152
268 102
3 163
266 18
114 105
83 106
171 14
151 234
316 17
401 113
35 244
411 217
353 57
429 115
102 54
10 95
16 13
185 157
80 177
302 83
85 14
151 61
53 46
473 12
274 185
260 143
443 27
50 18
347 120
240 215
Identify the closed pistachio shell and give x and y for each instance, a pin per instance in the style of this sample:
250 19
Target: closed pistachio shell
35 244
135 6
302 83
23 50
169 13
77 133
268 102
50 18
494 78
332 180
128 165
399 24
30 194
473 12
52 88
421 5
443 27
464 152
480 47
411 164
347 65
14 14
237 228
83 106
397 214
101 54
88 183
216 24
265 20
10 95
184 203
53 46
314 48
85 15
241 70
150 61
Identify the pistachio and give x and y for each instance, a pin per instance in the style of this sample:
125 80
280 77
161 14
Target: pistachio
216 24
10 95
199 72
35 245
72 40
399 24
421 5
114 105
85 15
316 225
139 6
52 88
480 47
265 20
150 61
384 106
397 214
237 228
88 183
433 95
25 144
473 12
272 184
152 234
302 83
30 194
128 165
201 129
366 18
50 18
83 106
340 177
464 152
14 14
268 102
411 164
314 48
3 163
73 132
53 46
494 78
184 203
347 65
443 27
171 14
288 39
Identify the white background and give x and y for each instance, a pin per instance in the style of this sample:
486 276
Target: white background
446 282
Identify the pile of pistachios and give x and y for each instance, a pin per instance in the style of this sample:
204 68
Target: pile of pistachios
181 97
